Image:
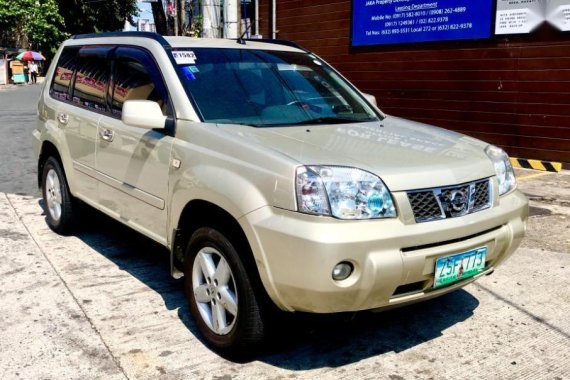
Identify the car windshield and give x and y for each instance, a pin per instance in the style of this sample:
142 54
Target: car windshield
269 88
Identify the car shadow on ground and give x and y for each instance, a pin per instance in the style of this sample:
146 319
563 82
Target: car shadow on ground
310 341
299 341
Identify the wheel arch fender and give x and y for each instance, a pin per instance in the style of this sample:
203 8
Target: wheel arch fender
211 187
211 215
212 204
51 146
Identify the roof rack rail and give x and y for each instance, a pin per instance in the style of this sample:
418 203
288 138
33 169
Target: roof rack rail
154 36
277 42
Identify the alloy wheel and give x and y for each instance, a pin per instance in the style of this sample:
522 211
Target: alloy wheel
214 290
53 195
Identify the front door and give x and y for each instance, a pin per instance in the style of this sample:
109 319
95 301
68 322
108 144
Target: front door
133 163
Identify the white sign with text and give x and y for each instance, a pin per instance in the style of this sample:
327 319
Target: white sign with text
523 16
519 16
558 14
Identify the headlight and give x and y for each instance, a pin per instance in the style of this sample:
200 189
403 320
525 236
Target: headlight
503 168
345 193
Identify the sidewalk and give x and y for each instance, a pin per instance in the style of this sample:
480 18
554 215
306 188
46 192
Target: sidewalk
45 333
549 195
40 80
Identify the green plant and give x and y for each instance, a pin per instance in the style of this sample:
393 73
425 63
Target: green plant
196 26
31 24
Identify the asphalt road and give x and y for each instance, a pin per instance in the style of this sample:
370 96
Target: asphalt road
17 120
101 304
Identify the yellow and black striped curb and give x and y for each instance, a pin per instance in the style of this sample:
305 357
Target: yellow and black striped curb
524 163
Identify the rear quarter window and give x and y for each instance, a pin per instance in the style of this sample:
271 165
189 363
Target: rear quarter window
63 75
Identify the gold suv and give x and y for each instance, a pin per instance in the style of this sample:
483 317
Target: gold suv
272 180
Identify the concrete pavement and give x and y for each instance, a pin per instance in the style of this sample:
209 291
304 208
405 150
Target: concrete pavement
44 331
102 305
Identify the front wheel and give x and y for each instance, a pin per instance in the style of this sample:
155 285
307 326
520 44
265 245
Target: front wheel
220 293
59 203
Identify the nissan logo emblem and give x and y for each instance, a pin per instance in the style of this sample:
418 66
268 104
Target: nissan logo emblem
458 201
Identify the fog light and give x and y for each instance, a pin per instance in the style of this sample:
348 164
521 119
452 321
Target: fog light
342 270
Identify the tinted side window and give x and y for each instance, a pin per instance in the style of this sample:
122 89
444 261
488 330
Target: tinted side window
136 78
91 82
64 73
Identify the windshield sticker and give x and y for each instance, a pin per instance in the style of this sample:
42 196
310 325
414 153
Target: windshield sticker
184 57
286 67
194 69
188 72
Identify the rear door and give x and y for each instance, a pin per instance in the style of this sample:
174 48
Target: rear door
133 163
80 83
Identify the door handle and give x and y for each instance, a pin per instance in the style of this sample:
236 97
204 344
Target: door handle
63 118
107 134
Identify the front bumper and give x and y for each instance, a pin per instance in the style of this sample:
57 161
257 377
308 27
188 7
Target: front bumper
393 259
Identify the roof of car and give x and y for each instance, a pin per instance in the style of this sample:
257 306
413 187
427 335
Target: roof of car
187 42
182 42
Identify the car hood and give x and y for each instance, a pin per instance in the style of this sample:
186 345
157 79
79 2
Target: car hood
405 154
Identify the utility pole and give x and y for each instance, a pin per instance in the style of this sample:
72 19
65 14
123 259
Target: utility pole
231 18
211 18
182 17
175 5
274 19
159 17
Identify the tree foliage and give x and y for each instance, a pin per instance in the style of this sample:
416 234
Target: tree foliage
41 25
90 16
31 24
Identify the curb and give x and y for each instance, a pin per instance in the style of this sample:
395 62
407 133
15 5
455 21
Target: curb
524 163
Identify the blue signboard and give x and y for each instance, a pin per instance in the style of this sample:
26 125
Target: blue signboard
377 22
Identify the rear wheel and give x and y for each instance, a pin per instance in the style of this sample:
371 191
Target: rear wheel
58 200
220 293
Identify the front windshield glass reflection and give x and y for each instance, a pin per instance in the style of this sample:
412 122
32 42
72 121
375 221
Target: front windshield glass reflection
269 88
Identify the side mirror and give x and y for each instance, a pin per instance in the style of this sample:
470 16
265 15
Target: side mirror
370 98
143 114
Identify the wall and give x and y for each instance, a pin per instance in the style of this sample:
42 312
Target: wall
513 92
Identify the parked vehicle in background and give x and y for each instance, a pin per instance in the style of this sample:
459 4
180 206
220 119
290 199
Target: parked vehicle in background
272 180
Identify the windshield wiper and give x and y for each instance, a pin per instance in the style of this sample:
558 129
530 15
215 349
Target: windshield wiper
319 120
332 120
256 125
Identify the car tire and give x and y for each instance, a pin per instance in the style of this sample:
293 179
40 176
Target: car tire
59 203
220 293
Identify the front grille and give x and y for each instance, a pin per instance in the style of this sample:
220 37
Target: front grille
482 195
425 205
451 201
